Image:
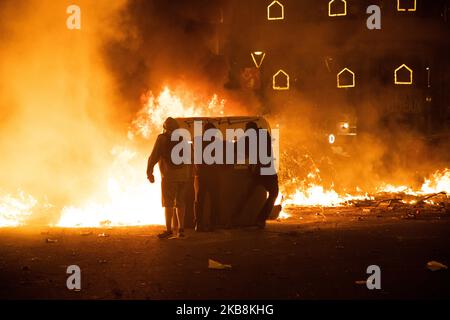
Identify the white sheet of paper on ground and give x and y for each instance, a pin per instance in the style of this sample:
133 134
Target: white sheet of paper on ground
436 266
212 264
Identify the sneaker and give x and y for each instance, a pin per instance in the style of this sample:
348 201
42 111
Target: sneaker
165 235
181 233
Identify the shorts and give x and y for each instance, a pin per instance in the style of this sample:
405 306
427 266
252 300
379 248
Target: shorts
173 193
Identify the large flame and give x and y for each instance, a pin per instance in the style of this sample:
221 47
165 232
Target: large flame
438 182
129 199
316 195
15 210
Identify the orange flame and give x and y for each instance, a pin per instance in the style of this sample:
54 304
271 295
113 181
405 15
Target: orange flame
16 210
129 199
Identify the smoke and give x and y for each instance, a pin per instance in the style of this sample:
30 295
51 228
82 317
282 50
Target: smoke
169 43
67 97
57 99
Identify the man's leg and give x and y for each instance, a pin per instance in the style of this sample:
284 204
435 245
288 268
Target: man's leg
271 186
168 211
174 221
169 215
167 202
180 200
180 216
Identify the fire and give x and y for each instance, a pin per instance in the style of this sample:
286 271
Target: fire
169 103
438 182
129 199
316 195
16 210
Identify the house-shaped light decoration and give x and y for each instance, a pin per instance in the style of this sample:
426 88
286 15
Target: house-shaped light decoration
399 75
337 8
346 79
406 5
258 58
275 11
281 80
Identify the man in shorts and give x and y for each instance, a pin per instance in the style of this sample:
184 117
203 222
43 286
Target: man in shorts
175 179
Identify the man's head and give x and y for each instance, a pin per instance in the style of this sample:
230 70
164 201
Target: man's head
170 125
251 125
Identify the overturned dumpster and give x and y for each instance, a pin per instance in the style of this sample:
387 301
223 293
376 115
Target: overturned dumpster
229 199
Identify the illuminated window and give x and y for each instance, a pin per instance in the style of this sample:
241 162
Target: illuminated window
346 79
275 11
406 5
258 58
281 81
337 8
403 75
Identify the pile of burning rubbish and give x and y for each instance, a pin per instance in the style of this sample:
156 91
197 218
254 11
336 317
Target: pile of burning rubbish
433 199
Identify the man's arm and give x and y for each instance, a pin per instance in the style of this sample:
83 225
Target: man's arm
154 158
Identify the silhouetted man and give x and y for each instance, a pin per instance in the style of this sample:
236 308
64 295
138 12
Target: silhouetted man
175 178
268 182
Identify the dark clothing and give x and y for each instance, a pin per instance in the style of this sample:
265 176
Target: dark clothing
173 193
270 184
161 154
207 188
175 178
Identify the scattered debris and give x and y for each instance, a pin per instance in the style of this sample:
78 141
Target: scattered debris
48 240
103 235
102 261
436 266
212 264
86 233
